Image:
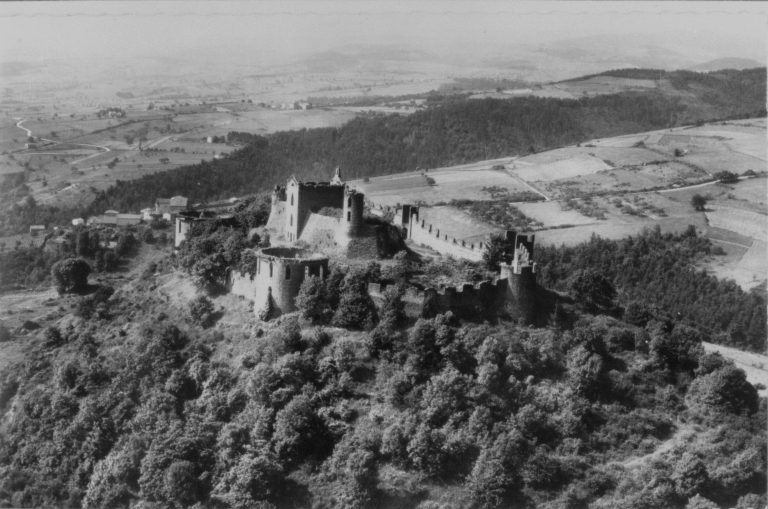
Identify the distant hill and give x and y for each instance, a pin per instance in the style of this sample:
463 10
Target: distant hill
727 63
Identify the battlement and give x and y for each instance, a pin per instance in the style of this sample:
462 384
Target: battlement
468 300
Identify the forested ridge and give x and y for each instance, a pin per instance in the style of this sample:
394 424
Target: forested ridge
148 402
660 271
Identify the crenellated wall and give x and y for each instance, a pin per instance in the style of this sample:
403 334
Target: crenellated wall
465 301
430 235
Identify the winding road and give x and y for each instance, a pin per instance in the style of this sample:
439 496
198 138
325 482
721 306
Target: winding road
29 134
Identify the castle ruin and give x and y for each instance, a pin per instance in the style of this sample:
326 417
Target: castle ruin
296 217
295 214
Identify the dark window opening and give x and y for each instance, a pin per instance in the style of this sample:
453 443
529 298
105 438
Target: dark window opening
349 216
287 273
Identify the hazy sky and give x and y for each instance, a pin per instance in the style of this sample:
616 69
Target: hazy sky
282 30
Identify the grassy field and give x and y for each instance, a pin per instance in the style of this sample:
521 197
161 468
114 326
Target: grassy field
632 178
745 265
574 166
449 185
744 222
551 214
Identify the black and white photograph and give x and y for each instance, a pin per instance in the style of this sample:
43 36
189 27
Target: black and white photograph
321 254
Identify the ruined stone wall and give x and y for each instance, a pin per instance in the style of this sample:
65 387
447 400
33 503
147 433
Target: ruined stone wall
276 221
302 199
413 299
180 231
431 236
323 234
470 301
243 284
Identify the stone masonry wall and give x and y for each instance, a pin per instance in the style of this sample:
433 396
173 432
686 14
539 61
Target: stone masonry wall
431 236
465 301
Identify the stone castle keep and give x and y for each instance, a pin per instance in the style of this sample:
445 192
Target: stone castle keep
295 213
296 217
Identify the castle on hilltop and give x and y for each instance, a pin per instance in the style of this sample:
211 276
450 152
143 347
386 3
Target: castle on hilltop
297 219
296 211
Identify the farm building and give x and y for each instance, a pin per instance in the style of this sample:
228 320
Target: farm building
35 229
149 214
78 221
115 218
171 205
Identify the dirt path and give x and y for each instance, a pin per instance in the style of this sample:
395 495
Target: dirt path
529 186
29 134
682 434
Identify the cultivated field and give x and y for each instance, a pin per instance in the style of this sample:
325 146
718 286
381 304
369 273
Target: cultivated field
630 178
744 222
76 147
449 185
551 214
580 164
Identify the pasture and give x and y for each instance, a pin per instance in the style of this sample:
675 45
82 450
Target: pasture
633 178
551 214
743 222
745 265
607 85
572 167
735 148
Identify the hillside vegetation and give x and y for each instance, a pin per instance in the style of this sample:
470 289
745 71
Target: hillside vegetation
161 397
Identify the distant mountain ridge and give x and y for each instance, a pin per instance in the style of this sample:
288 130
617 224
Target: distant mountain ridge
727 63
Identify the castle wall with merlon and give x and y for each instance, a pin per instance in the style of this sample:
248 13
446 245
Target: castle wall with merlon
465 301
431 236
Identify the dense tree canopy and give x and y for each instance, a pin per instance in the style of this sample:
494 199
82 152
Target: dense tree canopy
660 271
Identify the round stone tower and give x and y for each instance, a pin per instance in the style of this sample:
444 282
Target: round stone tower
279 274
352 218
